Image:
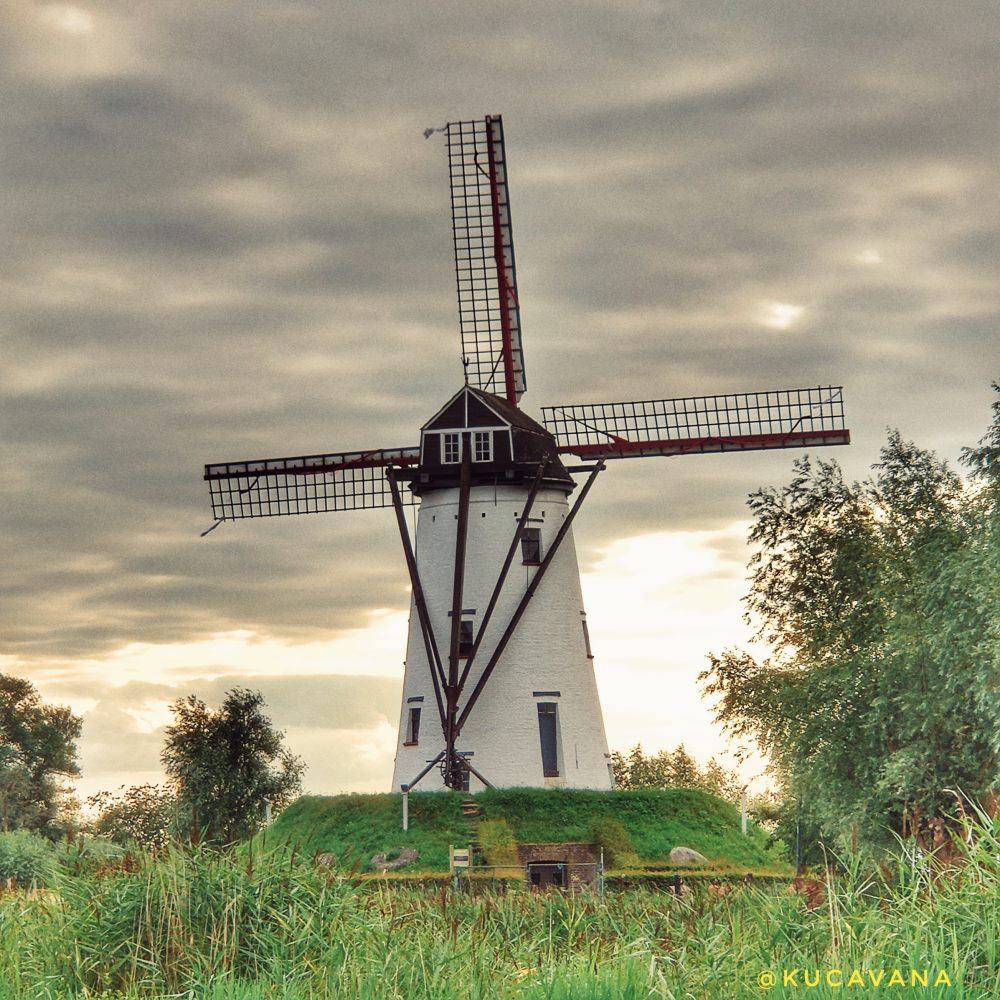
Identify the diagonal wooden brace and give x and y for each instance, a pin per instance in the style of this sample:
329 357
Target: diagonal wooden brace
502 578
526 598
430 645
458 585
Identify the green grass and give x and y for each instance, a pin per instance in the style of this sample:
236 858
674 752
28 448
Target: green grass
232 926
356 827
359 826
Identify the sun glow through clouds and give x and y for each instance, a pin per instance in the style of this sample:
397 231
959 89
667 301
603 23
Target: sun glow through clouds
657 606
780 315
68 19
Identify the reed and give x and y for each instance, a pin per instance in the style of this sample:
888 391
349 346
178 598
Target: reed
234 926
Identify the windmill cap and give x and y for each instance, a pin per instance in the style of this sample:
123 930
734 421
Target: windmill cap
507 445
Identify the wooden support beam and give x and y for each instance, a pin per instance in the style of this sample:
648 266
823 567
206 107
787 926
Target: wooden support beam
528 594
430 764
476 773
423 616
502 578
458 585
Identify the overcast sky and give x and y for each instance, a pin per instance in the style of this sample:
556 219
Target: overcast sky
226 238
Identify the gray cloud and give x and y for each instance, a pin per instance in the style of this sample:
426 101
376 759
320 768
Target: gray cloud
226 239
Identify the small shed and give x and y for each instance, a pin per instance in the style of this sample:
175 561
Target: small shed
559 866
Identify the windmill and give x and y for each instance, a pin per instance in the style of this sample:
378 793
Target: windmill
498 655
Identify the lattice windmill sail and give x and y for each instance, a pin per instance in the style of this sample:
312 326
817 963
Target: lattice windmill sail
749 421
498 653
488 313
311 484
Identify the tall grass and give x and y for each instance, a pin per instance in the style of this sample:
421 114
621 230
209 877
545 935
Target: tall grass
233 927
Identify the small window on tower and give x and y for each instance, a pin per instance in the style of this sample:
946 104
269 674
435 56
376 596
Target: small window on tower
465 638
451 448
482 442
413 728
548 734
531 546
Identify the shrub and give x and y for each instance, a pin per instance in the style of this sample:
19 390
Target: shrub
142 814
26 858
496 838
609 834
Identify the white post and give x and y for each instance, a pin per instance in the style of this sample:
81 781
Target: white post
743 811
267 812
406 806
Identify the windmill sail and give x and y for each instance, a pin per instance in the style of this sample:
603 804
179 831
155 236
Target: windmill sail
788 418
488 311
309 484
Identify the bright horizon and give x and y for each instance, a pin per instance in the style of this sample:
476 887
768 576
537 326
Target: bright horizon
651 600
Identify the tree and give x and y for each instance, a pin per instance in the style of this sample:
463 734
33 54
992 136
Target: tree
674 769
225 763
879 600
37 748
144 814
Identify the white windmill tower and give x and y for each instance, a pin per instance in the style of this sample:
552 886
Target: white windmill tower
499 684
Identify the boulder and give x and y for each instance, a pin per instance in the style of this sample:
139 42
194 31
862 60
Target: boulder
686 856
405 857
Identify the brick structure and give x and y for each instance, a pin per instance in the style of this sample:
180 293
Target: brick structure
567 866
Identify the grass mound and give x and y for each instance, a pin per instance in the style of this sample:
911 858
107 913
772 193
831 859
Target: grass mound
355 827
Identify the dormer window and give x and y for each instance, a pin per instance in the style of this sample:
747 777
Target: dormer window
482 446
451 448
